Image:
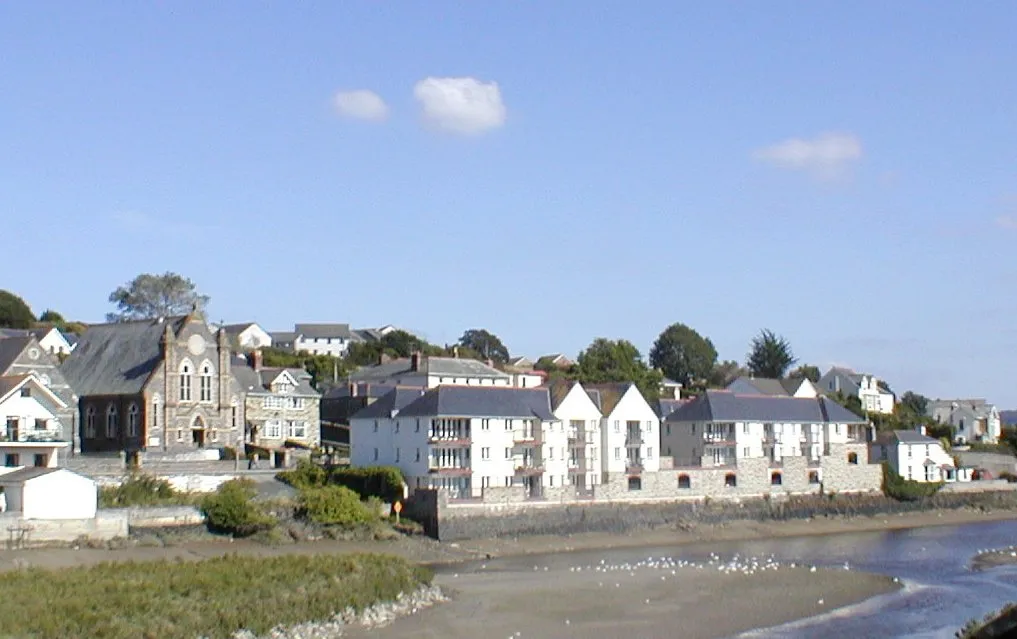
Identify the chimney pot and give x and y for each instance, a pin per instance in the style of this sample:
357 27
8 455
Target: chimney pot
255 359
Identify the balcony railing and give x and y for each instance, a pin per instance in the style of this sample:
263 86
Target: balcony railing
449 470
719 438
449 440
527 436
634 439
529 469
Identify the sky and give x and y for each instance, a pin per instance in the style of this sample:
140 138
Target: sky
844 174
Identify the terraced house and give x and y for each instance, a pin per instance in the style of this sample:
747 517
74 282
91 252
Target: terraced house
155 385
280 404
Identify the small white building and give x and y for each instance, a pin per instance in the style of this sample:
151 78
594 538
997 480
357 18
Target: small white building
49 493
630 429
248 336
917 457
574 408
429 372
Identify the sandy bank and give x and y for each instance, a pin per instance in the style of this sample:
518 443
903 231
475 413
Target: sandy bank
646 602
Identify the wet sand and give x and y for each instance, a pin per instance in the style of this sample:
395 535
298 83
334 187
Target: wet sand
644 604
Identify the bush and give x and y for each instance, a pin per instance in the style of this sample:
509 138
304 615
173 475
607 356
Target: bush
214 598
896 487
334 506
383 482
142 490
307 474
231 509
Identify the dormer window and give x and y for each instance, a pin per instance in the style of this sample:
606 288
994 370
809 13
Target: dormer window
284 387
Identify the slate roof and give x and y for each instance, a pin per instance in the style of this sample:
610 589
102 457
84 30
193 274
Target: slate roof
27 474
367 334
363 389
558 390
912 437
664 407
11 349
315 331
606 396
725 406
282 337
117 359
481 401
71 338
257 382
396 399
235 329
438 366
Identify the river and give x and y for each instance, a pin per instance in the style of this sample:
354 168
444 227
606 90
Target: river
940 592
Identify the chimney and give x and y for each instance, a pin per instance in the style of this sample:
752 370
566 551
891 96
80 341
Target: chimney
415 361
383 358
254 359
353 389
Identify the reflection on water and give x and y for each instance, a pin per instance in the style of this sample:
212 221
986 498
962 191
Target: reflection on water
941 593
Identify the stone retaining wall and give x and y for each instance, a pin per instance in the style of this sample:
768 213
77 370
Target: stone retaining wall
106 525
162 516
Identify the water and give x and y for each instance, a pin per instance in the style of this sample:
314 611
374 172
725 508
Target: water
941 592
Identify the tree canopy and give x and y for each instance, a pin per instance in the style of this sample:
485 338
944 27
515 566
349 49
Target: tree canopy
771 355
806 371
485 343
50 316
684 355
724 373
149 296
14 312
617 361
915 402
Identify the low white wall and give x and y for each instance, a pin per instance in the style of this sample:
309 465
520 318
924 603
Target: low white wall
105 525
978 486
163 516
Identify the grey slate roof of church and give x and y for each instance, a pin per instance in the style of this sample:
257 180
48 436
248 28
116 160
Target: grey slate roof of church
116 359
481 401
725 406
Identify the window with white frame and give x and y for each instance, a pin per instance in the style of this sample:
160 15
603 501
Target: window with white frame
649 426
112 421
485 424
205 382
649 453
298 429
508 453
186 373
617 453
273 429
90 421
132 420
272 402
296 402
284 387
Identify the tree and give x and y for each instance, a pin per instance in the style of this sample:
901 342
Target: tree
149 296
402 344
914 402
806 371
771 355
617 361
485 343
724 373
683 355
14 312
49 316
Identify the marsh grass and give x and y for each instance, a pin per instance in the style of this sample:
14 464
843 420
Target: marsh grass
183 600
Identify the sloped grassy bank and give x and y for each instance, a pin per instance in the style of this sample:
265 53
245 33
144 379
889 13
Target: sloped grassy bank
213 598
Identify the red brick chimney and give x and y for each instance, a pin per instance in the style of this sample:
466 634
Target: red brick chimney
255 359
415 361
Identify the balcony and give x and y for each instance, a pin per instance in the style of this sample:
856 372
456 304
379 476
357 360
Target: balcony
720 439
449 440
634 439
526 436
450 471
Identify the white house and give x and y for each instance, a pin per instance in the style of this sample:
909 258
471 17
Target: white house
50 338
464 439
865 387
574 408
774 387
429 372
248 336
49 493
719 428
630 429
973 419
29 409
317 339
917 457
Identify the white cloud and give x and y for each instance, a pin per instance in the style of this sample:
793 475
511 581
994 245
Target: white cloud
1008 222
826 155
360 105
461 105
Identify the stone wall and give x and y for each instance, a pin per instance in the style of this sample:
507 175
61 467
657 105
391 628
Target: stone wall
105 525
160 517
841 475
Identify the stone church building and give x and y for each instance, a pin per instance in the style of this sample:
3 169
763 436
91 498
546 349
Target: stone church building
162 385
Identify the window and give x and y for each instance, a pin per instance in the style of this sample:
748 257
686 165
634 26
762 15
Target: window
273 429
132 420
731 480
213 435
485 453
551 451
375 454
649 426
40 461
272 402
297 429
26 391
155 413
296 403
12 459
684 482
776 479
185 381
41 424
112 421
509 424
746 451
416 429
813 476
909 452
635 483
551 480
852 458
180 435
234 410
926 450
617 426
508 453
649 453
206 382
283 387
745 428
617 453
485 424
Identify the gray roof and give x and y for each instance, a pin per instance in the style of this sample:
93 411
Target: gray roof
26 474
117 359
235 329
258 382
396 399
11 348
367 334
363 389
481 401
725 406
323 330
282 336
71 338
913 437
303 380
664 407
245 376
438 366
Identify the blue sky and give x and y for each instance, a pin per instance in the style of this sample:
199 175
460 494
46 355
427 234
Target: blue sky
843 173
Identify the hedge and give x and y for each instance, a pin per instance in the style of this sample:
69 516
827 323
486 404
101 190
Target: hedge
896 487
384 482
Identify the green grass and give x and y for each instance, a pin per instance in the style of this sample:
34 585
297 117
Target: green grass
183 600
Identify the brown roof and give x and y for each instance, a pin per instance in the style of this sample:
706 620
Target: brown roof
10 382
609 395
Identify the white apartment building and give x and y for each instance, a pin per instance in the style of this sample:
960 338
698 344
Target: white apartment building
575 409
464 439
429 372
915 456
629 429
719 428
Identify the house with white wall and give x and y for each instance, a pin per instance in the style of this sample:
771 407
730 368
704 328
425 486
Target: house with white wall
247 336
30 410
429 372
464 439
867 388
49 493
918 457
799 387
630 430
973 420
575 409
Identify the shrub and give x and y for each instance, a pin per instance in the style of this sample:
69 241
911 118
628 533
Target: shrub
231 509
334 505
383 482
1008 476
142 490
307 474
896 487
